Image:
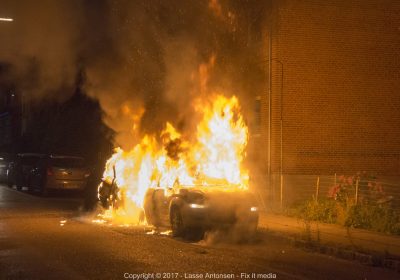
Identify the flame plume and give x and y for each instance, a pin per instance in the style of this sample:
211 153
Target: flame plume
213 159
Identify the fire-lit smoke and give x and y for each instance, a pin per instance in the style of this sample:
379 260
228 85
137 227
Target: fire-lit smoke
154 49
213 159
133 56
148 63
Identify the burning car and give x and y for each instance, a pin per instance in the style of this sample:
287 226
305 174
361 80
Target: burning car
189 182
200 208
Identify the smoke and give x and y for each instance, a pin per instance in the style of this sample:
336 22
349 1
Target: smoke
40 46
145 61
153 60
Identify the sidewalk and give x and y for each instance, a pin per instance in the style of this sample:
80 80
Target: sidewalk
349 244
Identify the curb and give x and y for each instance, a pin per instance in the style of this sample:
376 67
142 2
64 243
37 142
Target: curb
363 258
369 259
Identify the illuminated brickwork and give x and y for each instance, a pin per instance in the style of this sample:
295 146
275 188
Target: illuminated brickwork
341 86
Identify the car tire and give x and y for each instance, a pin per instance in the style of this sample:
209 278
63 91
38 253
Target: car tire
29 186
43 191
195 233
252 230
177 226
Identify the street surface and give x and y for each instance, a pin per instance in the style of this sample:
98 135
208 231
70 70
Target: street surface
49 238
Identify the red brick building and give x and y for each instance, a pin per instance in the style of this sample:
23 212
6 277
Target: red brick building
335 80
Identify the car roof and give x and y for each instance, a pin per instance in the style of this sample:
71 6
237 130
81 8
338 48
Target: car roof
50 156
31 155
65 157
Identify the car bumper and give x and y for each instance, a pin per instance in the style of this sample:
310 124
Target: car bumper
65 185
208 218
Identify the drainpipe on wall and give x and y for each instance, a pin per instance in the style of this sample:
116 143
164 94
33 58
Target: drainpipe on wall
269 106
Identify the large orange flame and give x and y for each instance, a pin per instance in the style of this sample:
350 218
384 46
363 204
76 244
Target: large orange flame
213 159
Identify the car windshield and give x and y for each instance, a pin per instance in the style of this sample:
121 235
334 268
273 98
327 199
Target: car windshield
66 162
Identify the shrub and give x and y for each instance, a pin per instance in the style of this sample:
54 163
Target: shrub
324 210
342 207
381 218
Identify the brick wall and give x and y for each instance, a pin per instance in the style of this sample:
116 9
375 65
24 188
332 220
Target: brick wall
341 86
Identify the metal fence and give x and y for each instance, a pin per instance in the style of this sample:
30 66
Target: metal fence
275 194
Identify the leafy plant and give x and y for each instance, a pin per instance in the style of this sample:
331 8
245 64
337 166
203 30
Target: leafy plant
355 201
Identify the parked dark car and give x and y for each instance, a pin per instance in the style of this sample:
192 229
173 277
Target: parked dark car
197 209
56 172
19 170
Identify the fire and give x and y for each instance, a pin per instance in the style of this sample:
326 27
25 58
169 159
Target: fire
222 139
214 158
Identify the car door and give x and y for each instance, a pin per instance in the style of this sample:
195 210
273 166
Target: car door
38 174
156 207
161 203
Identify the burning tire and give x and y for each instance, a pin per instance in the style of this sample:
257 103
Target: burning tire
108 195
104 194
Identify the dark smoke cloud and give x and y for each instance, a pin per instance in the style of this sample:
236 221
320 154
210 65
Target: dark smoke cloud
140 58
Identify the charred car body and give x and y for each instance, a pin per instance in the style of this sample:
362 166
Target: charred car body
202 208
193 209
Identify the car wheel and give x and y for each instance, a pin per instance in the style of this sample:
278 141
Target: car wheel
19 187
29 186
195 233
10 183
43 191
177 226
252 230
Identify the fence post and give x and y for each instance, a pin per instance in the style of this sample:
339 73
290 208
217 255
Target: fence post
357 191
281 191
317 191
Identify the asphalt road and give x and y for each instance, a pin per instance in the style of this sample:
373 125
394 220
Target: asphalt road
49 238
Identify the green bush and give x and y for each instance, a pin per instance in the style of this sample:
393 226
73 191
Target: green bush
376 217
324 211
381 218
341 206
